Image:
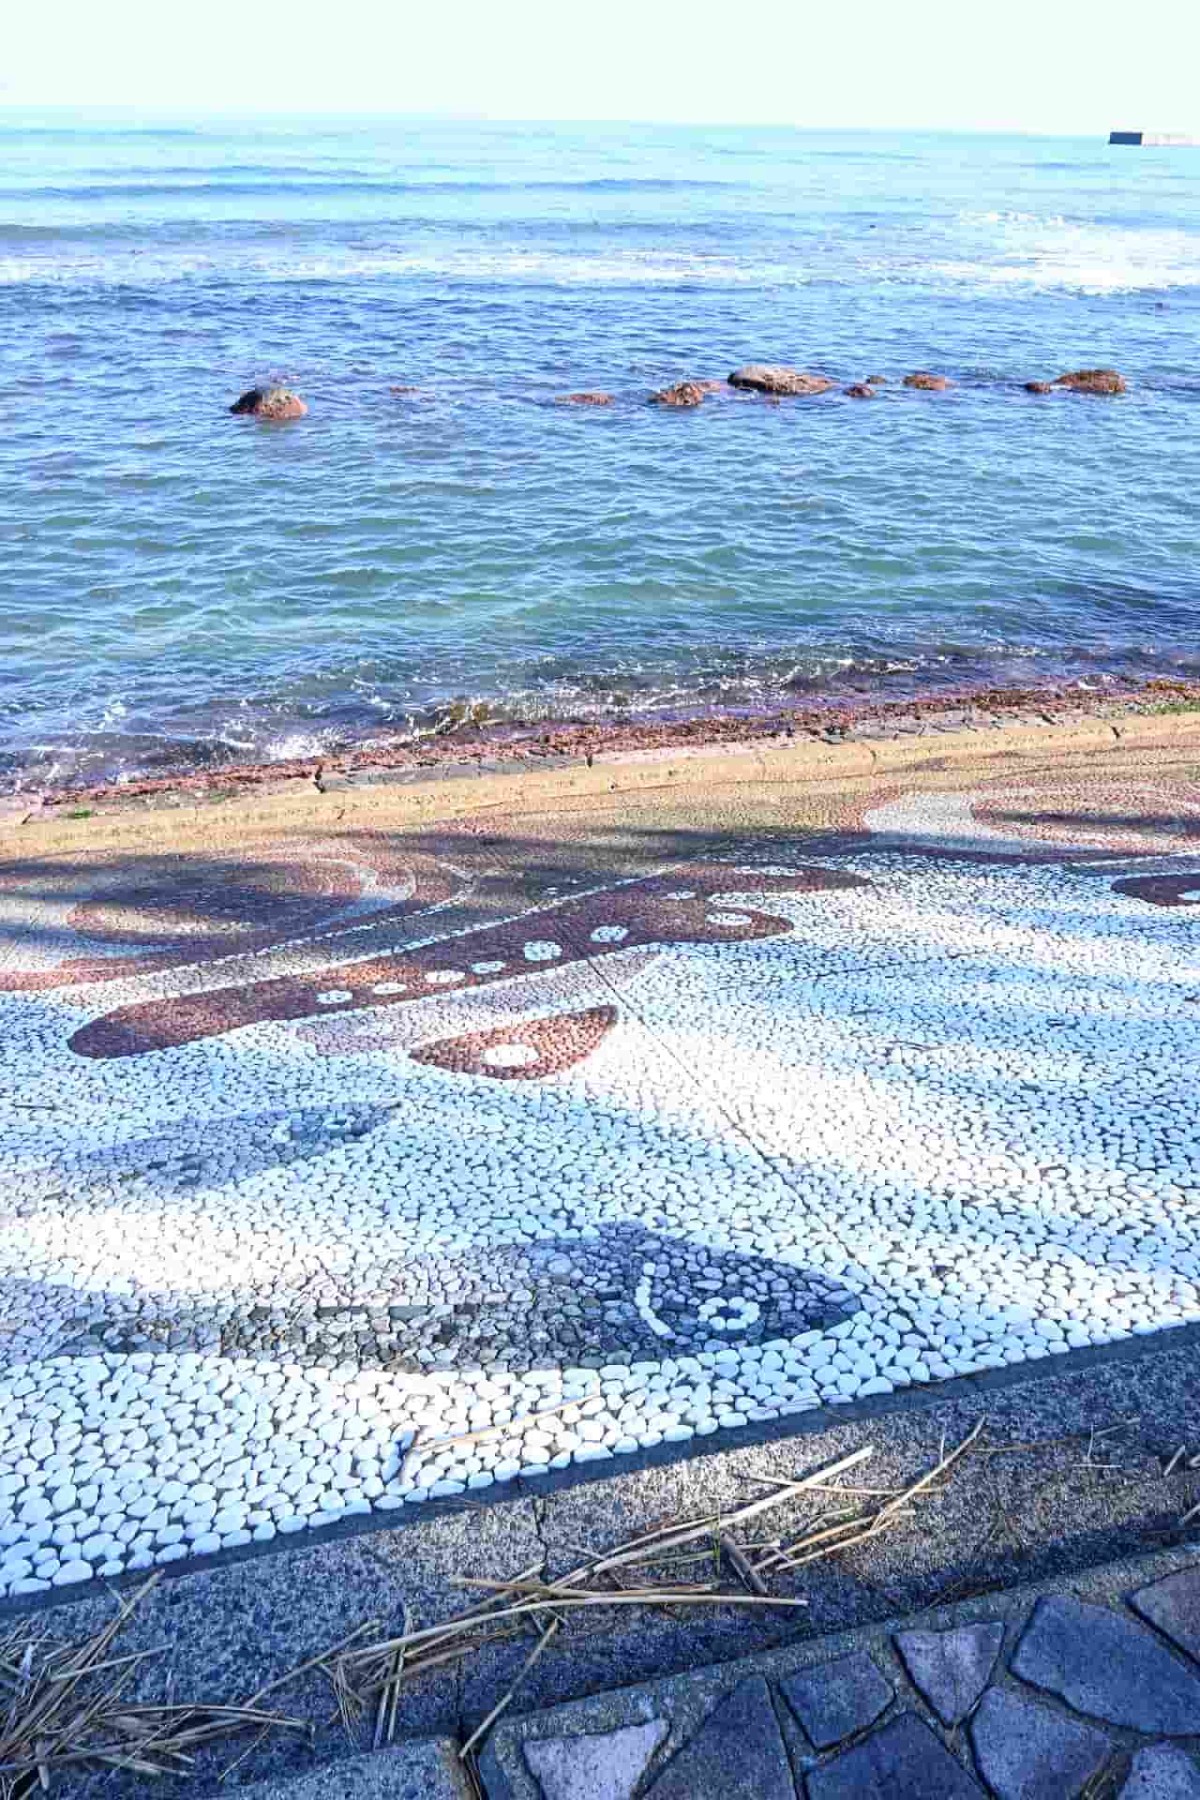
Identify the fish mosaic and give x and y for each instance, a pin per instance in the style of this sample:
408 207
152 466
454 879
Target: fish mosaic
615 1293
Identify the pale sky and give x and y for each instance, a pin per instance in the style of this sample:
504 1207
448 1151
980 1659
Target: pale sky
1039 65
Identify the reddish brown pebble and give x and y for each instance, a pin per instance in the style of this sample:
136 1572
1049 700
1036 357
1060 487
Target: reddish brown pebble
671 909
585 399
524 1052
934 384
1039 387
859 390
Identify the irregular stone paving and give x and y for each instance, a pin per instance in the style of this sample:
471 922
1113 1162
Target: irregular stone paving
1024 1751
606 1767
1173 1604
1162 1772
1048 1699
340 1174
837 1700
902 1759
738 1751
1103 1664
951 1668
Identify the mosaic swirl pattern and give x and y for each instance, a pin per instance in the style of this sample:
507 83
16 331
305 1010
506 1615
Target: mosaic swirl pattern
131 916
328 1231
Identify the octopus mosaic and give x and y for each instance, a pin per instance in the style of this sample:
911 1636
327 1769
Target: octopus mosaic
324 1194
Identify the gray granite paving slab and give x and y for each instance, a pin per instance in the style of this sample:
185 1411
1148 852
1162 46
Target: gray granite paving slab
219 1634
1162 1772
1027 1752
951 1668
902 1761
837 1699
738 1753
1104 1664
603 1765
233 1626
1059 1514
421 1769
1173 1604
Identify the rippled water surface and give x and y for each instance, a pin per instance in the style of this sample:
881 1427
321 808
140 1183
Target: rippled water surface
178 585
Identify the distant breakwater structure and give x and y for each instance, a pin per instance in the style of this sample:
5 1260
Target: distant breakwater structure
276 404
1154 140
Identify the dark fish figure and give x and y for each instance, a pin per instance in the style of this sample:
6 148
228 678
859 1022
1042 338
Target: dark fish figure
616 1292
196 1154
1162 890
620 1294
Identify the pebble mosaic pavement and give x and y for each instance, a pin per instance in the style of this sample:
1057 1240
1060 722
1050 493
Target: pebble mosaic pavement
331 1184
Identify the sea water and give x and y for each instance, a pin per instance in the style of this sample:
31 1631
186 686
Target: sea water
179 586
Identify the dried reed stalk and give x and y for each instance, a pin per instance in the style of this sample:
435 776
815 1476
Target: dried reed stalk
66 1707
509 1425
369 1676
528 1599
506 1698
859 1529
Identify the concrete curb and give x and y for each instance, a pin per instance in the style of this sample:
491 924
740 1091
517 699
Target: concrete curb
412 797
420 1769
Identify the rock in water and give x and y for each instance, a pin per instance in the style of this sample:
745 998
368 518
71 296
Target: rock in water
762 378
684 393
270 403
934 384
589 398
1039 387
1092 381
859 390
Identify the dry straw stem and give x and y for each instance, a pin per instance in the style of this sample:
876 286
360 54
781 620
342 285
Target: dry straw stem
505 1699
741 1565
65 1707
518 1418
861 1527
389 1699
367 1671
510 1604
